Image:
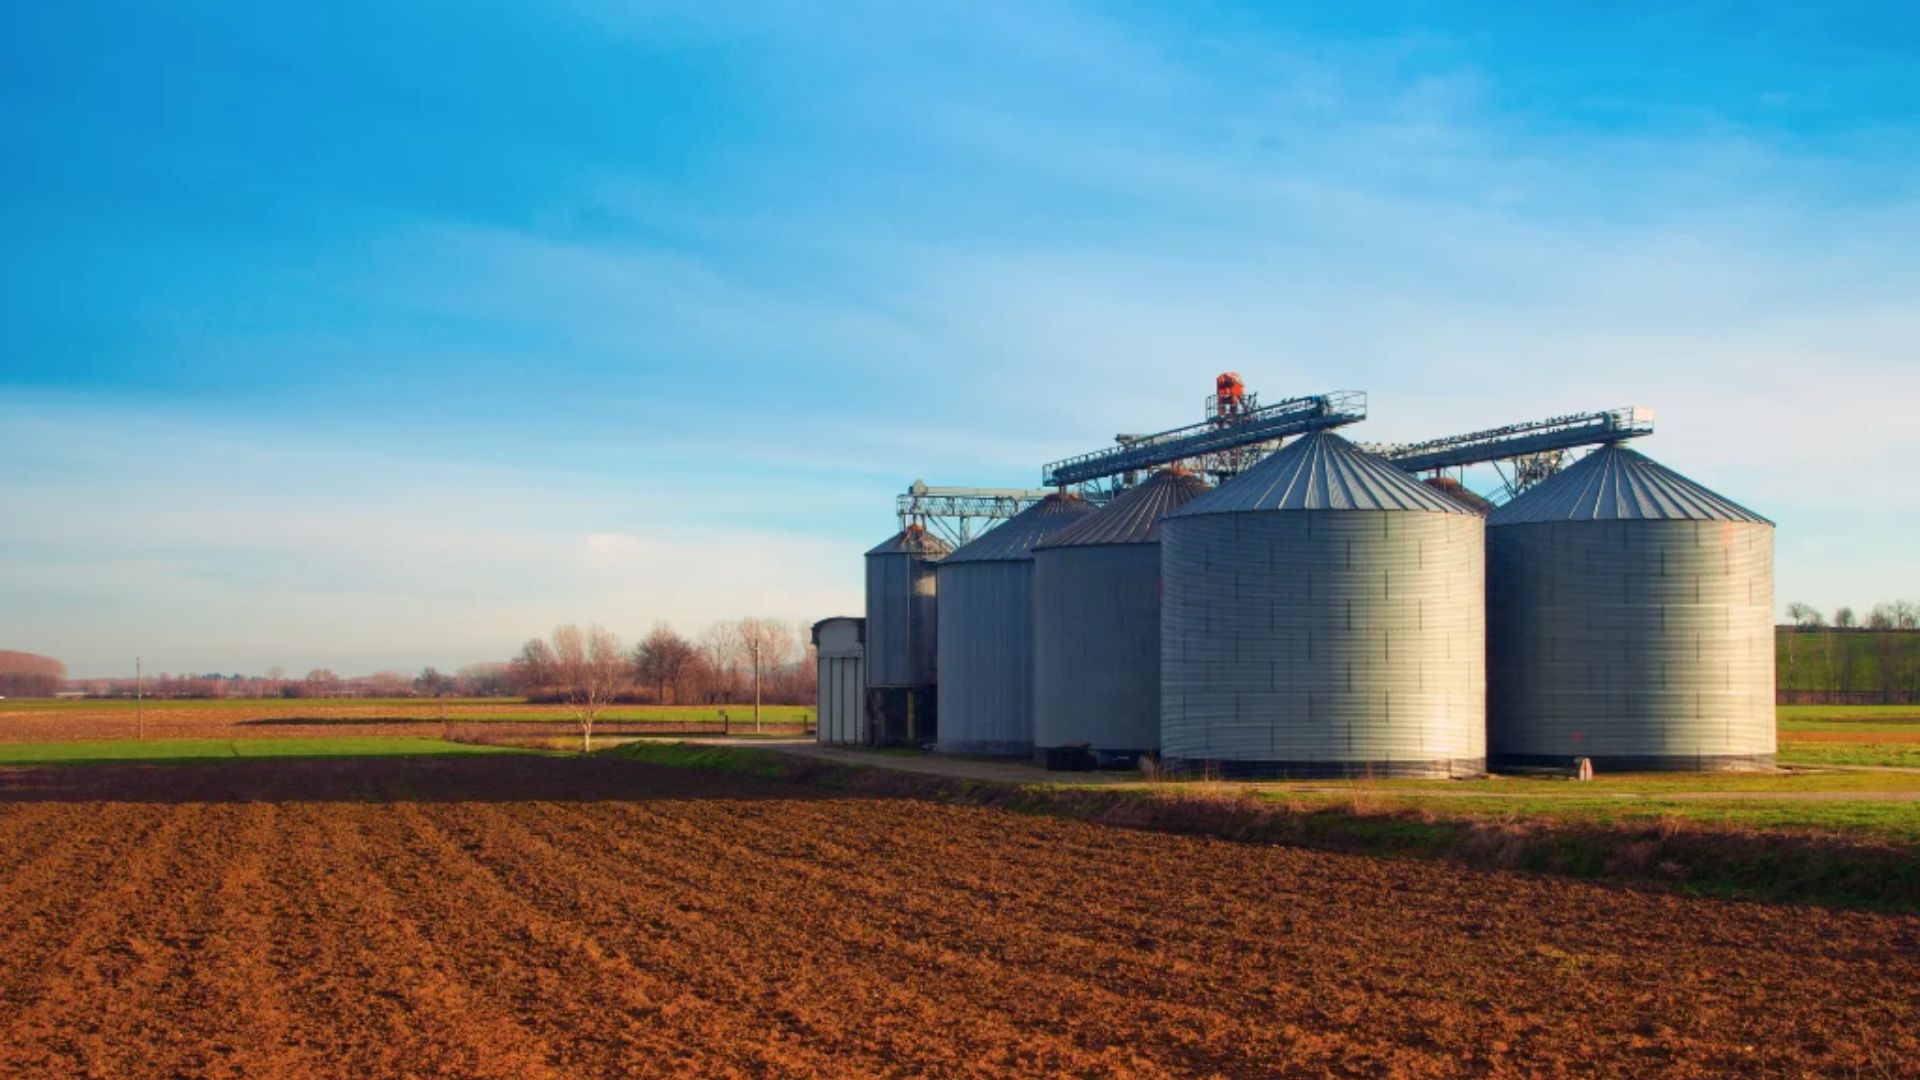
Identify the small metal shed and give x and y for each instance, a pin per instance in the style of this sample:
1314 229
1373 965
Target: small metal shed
841 645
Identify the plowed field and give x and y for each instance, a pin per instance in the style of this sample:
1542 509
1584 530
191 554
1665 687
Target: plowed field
526 917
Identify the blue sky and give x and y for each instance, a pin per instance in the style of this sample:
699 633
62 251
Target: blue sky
382 335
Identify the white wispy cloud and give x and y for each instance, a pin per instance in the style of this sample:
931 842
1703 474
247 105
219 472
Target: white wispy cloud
199 546
960 243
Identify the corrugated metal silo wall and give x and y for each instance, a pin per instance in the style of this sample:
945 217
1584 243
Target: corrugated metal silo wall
986 658
1336 643
924 638
890 620
1639 644
901 620
1096 646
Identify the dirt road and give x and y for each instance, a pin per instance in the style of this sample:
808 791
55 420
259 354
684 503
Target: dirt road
520 917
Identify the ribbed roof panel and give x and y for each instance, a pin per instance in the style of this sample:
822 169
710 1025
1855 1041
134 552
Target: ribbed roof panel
1322 471
913 542
1617 484
1133 517
1013 542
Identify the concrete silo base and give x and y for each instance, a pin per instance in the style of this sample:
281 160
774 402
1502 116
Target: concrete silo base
1101 756
902 715
1437 769
984 748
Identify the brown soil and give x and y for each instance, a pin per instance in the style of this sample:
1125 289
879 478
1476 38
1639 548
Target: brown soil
1851 736
525 917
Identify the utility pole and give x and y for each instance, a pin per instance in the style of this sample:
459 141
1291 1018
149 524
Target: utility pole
755 645
139 697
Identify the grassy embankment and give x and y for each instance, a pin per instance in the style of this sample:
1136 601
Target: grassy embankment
1830 849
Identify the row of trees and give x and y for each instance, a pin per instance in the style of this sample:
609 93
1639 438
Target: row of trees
1853 659
491 679
589 669
725 664
1886 615
24 674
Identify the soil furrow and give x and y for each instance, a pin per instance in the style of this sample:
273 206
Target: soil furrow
508 917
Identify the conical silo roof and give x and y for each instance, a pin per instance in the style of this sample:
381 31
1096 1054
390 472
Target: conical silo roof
1013 542
913 540
1133 517
1322 471
1617 484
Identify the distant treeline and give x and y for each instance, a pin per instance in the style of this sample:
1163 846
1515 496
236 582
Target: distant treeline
718 667
723 665
489 679
1824 665
24 674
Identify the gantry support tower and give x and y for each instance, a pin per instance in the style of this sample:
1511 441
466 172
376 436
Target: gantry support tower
1237 432
951 513
1522 454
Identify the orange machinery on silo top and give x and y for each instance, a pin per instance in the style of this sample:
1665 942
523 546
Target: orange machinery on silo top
1229 395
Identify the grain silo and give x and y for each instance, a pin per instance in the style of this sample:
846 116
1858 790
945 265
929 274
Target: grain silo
1323 614
986 633
901 631
1629 621
1096 623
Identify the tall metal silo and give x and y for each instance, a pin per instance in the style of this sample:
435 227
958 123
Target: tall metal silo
986 633
902 631
1324 614
1630 621
1096 622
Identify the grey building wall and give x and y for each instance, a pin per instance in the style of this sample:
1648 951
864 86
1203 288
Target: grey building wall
841 687
1642 644
842 706
986 658
1335 642
1096 646
902 620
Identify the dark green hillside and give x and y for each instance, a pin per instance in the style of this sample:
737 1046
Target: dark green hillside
1884 664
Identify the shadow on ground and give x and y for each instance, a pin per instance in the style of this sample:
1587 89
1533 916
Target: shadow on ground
489 778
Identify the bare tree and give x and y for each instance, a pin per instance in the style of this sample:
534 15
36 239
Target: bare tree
535 670
591 669
432 683
722 647
1843 618
1806 616
485 679
1906 615
1880 617
662 660
769 645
